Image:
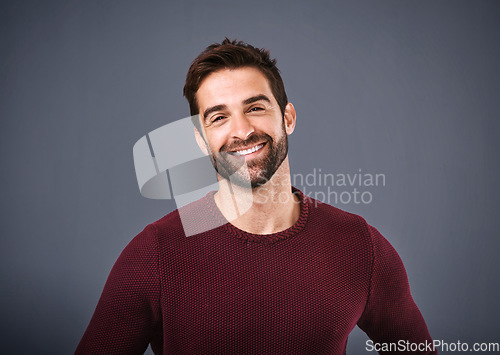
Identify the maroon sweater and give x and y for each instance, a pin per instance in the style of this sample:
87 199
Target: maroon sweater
225 291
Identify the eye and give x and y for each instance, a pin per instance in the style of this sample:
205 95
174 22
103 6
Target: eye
255 108
217 119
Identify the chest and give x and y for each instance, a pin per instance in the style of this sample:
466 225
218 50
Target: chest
264 295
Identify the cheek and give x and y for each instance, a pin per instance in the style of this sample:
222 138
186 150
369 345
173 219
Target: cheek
269 125
215 140
281 129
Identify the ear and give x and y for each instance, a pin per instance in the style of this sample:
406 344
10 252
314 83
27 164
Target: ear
289 118
201 141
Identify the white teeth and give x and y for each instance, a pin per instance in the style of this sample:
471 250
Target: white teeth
248 151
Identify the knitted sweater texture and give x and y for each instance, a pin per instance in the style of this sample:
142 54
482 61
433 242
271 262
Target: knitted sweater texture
226 291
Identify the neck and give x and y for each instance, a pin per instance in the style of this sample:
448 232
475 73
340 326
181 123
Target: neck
266 209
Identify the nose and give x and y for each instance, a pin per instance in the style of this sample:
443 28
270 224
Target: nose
241 127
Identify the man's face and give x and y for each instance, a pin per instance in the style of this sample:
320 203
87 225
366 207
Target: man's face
242 120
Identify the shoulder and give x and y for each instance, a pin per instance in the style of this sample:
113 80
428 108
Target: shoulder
169 224
142 245
349 227
333 218
147 243
357 231
351 234
139 260
193 218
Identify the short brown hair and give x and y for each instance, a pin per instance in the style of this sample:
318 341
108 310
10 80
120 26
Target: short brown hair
231 55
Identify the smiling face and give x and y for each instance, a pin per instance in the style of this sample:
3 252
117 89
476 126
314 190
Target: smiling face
241 119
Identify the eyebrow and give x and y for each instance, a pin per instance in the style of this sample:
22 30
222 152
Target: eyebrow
253 99
248 101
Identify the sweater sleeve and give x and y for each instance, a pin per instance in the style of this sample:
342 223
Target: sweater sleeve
127 316
391 316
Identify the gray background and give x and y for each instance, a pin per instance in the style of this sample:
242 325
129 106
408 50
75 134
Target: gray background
407 89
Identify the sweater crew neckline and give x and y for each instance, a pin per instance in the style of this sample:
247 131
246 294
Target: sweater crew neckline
262 238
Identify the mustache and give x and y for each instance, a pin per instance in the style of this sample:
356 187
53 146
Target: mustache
240 143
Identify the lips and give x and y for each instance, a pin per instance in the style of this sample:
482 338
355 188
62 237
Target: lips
247 151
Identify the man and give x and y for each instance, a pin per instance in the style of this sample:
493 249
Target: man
289 275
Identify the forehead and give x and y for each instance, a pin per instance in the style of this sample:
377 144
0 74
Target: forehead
231 86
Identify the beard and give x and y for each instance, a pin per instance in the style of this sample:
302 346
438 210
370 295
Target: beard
257 172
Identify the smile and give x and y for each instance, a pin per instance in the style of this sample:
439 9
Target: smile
247 151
